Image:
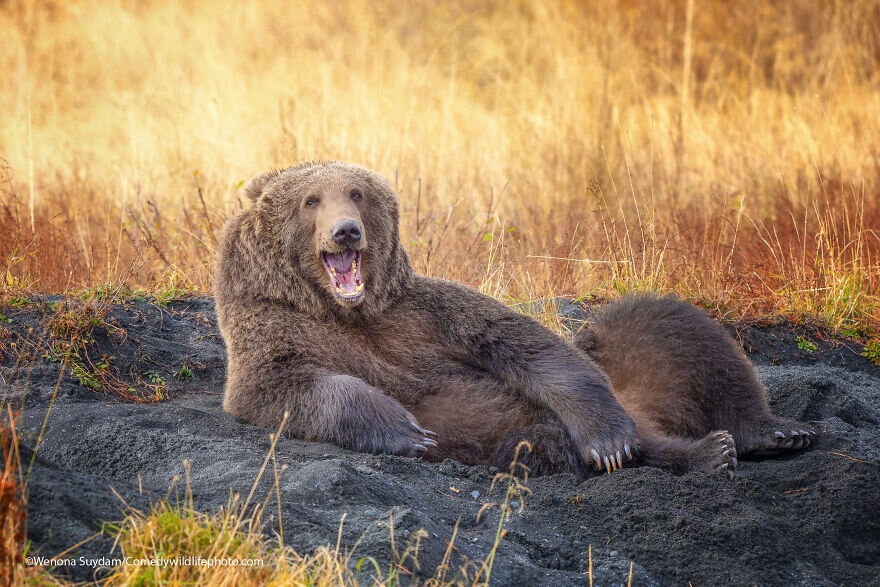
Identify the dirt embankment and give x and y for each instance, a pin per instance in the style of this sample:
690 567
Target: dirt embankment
810 518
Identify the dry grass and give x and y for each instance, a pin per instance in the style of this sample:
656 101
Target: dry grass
230 547
238 533
722 151
168 532
13 509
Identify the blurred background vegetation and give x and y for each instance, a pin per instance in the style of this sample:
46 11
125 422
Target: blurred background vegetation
723 150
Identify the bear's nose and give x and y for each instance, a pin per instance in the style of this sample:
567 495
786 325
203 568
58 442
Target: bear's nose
346 233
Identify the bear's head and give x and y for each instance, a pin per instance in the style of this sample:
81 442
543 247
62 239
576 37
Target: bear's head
322 236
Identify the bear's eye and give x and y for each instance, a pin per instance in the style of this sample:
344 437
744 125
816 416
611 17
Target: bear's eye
357 196
311 201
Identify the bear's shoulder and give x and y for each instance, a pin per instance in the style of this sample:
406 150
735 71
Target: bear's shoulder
453 308
444 295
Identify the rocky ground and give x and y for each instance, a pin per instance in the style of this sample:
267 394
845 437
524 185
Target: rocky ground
811 518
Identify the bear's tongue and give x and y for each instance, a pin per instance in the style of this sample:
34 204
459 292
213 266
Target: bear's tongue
344 272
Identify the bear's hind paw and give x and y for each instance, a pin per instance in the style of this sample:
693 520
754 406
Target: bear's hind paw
716 453
778 435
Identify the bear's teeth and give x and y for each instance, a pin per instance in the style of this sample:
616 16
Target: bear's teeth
346 294
333 271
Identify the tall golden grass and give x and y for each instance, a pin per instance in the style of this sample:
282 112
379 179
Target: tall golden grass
726 151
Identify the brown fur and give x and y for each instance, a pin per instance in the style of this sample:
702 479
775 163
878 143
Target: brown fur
413 353
685 382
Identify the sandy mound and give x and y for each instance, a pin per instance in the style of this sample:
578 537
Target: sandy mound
810 518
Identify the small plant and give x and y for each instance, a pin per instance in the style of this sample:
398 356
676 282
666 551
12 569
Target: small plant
18 301
109 293
71 336
155 378
513 500
88 374
173 286
855 330
806 345
872 351
3 318
158 383
185 373
84 377
72 322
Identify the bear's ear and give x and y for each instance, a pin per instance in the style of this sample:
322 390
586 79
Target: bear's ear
253 189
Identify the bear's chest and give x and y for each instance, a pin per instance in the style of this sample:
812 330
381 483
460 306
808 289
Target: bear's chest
404 343
402 355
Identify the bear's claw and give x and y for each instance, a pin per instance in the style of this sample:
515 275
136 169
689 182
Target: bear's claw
797 439
612 461
776 435
427 441
716 453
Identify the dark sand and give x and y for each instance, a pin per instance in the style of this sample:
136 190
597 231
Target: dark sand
810 518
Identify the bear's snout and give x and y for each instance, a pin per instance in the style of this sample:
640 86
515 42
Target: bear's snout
346 233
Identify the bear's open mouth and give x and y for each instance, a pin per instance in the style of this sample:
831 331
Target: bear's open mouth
344 270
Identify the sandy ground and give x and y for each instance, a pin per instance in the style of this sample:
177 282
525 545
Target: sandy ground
811 518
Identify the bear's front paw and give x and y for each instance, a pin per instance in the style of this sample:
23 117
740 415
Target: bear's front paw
406 439
395 431
609 450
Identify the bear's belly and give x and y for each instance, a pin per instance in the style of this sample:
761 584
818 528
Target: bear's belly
470 410
471 418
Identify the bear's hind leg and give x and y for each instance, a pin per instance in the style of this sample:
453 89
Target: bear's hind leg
714 453
551 451
771 435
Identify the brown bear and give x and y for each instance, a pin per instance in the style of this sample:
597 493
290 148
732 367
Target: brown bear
681 377
324 318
